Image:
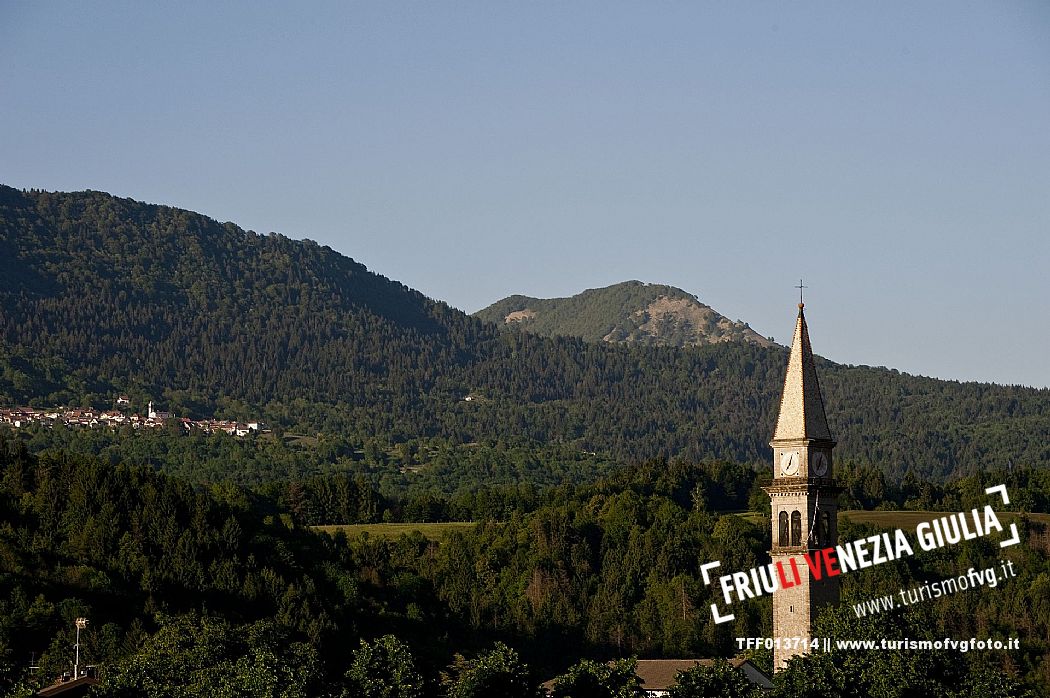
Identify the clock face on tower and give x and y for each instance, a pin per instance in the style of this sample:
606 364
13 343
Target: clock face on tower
820 464
789 463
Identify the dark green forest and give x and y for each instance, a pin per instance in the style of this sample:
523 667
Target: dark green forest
101 296
197 588
336 480
190 589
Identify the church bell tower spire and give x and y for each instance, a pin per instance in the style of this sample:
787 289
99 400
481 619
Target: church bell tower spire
803 494
801 413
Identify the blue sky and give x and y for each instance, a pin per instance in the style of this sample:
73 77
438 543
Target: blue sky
896 155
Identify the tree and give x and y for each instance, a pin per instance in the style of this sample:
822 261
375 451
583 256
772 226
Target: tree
202 657
498 672
983 681
719 679
591 679
383 669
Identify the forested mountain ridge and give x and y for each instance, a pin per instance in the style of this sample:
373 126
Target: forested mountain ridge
140 293
101 295
631 312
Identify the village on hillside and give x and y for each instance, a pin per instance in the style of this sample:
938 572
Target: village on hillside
75 417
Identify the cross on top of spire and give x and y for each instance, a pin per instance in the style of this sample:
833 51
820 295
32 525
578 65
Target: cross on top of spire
800 287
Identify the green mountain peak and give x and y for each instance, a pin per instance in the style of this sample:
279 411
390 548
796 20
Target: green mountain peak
631 312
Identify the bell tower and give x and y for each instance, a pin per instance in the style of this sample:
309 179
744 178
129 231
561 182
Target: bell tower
803 495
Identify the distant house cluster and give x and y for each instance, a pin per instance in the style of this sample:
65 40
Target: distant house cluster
18 417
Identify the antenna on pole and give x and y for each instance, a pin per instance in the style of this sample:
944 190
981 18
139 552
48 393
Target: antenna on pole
81 624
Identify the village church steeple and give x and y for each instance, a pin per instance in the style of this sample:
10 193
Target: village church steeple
801 404
803 495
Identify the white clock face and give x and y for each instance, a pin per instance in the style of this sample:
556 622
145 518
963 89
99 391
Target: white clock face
789 463
820 464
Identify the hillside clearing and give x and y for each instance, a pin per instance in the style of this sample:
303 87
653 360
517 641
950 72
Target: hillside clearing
911 519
